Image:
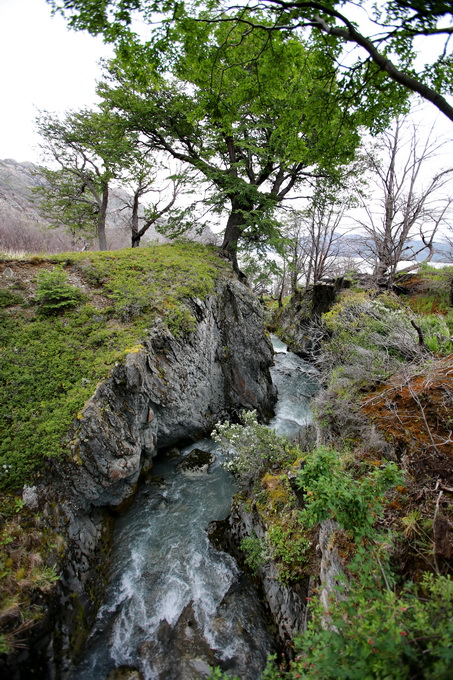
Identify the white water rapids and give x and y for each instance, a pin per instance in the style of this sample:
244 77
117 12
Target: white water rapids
175 605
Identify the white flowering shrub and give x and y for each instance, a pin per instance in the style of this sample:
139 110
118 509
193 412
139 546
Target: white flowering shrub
252 448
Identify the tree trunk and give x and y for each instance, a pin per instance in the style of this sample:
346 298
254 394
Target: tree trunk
232 234
380 274
134 223
101 219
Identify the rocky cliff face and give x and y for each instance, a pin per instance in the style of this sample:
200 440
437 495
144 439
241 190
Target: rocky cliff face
170 389
299 324
166 390
287 603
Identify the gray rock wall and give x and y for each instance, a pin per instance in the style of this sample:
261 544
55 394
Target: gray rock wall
171 389
287 603
299 324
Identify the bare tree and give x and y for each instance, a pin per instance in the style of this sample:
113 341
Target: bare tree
313 239
407 206
143 182
447 246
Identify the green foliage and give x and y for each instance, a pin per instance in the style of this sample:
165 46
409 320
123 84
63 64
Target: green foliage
377 634
290 548
253 448
4 646
252 113
437 274
430 290
331 491
437 334
154 280
63 201
51 363
217 674
90 148
9 298
54 294
256 553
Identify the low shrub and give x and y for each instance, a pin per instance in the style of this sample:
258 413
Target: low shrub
332 491
437 333
253 448
54 294
9 298
255 551
377 634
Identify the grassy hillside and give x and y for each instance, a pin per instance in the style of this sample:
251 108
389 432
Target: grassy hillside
66 321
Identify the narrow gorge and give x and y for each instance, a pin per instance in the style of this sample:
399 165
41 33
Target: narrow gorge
136 547
176 606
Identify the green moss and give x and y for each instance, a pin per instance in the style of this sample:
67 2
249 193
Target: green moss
50 365
80 626
288 543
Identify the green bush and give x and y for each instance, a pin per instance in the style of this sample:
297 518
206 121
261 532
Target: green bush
376 634
255 551
55 294
8 298
290 550
437 334
331 491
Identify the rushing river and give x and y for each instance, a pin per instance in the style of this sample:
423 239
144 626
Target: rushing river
175 605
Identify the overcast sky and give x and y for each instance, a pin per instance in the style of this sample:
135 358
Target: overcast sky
43 65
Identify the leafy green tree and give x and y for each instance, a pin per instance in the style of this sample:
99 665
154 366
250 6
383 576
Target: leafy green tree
256 114
386 34
64 200
90 148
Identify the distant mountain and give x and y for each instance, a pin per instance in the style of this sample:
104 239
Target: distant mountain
351 245
23 227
